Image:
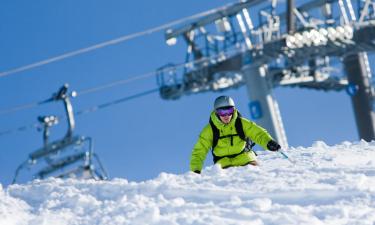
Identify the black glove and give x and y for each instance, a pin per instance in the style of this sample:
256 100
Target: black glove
273 146
197 171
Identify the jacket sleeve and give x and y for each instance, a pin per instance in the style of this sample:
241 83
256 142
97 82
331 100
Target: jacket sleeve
256 133
201 149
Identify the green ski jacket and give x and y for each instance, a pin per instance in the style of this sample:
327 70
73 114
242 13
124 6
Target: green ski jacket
228 146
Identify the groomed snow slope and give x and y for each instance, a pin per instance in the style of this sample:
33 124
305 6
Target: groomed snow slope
327 185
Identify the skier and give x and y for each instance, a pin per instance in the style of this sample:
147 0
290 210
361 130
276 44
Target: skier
231 138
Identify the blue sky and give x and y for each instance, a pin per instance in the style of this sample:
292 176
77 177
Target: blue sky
137 139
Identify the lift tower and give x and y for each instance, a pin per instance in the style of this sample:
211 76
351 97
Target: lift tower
264 45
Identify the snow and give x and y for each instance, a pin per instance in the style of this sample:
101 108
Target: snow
326 185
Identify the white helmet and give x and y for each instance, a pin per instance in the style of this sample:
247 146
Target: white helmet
223 101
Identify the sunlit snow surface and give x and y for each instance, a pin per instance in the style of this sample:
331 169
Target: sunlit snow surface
327 185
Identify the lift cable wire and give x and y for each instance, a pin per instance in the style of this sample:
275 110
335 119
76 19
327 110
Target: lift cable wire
144 76
82 92
22 107
115 102
85 111
116 83
104 44
19 129
112 84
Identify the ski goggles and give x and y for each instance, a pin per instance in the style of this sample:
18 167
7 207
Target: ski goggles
225 111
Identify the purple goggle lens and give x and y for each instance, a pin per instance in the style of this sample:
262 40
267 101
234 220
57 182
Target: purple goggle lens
225 111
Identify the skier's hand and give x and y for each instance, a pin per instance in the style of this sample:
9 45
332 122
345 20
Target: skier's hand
273 146
197 171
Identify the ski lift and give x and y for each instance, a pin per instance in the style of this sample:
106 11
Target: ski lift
56 158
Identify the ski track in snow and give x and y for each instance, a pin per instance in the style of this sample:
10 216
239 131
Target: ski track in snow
327 185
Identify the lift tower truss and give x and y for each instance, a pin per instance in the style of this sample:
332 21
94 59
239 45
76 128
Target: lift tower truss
267 44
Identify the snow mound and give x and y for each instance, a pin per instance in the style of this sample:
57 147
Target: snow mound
326 185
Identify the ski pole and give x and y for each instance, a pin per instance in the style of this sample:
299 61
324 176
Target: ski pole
286 157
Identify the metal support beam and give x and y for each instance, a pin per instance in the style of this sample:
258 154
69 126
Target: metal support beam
212 17
291 21
263 106
189 38
357 69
